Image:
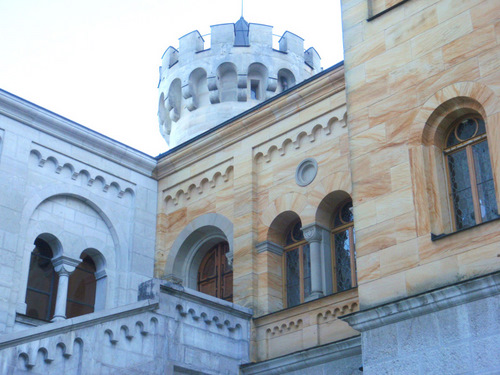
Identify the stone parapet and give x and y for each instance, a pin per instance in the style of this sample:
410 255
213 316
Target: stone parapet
169 329
304 326
203 84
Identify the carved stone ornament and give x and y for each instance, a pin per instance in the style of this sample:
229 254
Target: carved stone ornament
312 233
306 172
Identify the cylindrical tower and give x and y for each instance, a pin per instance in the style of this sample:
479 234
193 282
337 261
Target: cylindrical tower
202 87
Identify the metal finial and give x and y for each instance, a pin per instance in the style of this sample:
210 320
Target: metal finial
241 8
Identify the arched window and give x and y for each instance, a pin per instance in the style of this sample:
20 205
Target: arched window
42 283
82 289
470 178
297 266
344 253
215 276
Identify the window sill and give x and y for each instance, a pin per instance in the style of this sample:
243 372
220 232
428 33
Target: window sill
28 320
345 296
435 237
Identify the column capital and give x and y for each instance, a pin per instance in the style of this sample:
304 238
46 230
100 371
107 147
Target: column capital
269 246
65 265
313 232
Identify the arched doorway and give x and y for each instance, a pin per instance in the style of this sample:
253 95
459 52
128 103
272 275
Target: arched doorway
215 275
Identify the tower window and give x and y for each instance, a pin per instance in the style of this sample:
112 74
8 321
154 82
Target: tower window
470 178
254 89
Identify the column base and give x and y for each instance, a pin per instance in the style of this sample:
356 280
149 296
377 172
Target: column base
314 295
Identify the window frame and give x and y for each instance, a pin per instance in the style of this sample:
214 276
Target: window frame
54 279
300 247
349 226
467 146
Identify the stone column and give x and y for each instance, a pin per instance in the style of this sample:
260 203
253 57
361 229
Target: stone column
313 235
64 266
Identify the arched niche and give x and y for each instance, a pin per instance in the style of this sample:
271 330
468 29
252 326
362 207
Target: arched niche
328 206
193 243
227 82
280 225
164 117
257 79
198 88
174 100
286 79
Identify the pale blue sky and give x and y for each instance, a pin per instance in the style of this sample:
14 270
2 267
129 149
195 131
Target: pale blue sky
96 61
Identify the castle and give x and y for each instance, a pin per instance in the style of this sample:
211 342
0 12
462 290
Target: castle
303 221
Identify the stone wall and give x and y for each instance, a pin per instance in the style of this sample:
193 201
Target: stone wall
408 72
174 330
452 330
82 190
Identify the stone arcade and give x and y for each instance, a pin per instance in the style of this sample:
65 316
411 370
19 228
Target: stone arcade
233 252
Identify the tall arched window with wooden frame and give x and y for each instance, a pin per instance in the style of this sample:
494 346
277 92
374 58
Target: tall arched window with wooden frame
41 291
344 252
215 275
470 177
82 288
297 266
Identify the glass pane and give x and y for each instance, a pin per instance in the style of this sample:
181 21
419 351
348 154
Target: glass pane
484 179
306 259
42 283
292 278
461 190
38 305
465 130
76 309
343 260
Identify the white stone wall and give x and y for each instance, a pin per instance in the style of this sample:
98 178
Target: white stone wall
89 192
194 80
175 331
452 330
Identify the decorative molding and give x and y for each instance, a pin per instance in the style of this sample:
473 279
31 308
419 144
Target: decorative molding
75 168
75 134
306 172
304 95
294 362
269 246
80 322
285 328
336 311
287 142
425 303
198 184
313 232
204 317
190 295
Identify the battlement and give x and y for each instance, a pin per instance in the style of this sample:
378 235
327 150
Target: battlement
238 65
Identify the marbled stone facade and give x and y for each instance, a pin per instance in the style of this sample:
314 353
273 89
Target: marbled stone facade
372 128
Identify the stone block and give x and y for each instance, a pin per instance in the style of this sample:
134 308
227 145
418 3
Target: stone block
442 34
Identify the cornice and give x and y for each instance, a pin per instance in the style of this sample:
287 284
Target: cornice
71 132
64 326
425 303
276 109
203 299
306 358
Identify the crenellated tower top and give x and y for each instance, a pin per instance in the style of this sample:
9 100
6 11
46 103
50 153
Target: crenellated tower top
202 86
